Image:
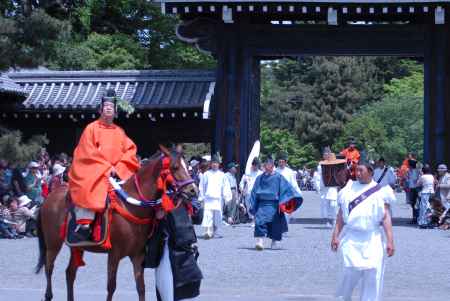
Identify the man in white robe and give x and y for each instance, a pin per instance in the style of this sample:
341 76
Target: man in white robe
363 212
383 174
290 176
214 191
247 182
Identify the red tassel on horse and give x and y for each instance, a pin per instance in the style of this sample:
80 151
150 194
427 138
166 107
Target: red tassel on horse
77 257
167 203
63 229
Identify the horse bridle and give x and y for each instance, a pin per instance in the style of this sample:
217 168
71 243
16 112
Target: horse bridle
176 190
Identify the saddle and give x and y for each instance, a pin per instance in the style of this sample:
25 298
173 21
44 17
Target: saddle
99 227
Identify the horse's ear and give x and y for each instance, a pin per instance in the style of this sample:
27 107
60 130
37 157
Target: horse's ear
164 150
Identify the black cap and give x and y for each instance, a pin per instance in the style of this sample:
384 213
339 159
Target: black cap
283 156
109 96
215 159
231 165
269 160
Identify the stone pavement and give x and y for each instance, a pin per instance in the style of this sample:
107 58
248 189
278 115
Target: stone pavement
304 269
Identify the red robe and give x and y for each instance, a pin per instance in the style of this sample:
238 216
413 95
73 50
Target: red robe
101 149
352 156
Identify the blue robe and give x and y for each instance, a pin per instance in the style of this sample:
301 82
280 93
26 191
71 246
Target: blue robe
269 193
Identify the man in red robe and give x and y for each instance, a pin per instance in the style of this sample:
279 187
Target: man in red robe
352 156
104 150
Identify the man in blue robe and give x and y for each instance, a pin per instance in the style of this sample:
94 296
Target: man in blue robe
271 197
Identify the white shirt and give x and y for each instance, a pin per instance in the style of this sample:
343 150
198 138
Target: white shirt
214 189
290 176
248 181
361 239
427 183
388 179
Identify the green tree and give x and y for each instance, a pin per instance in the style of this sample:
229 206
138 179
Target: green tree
14 149
27 36
393 126
275 141
117 51
315 96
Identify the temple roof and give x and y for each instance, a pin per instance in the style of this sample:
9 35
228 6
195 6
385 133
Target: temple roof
82 90
7 85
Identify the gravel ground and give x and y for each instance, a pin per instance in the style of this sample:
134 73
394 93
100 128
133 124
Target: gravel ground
303 269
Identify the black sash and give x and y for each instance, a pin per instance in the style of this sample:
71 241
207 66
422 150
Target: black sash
382 175
362 197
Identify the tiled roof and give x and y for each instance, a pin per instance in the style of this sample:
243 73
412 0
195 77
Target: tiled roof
82 90
7 85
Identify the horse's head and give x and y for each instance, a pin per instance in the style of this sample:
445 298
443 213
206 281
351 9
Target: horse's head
184 185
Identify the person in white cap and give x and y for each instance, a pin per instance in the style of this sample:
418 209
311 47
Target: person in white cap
57 176
23 216
444 185
33 182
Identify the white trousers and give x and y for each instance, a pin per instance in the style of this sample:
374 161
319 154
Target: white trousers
83 213
371 283
328 208
212 218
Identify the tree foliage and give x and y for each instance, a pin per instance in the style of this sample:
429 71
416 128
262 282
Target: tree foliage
394 126
276 141
324 101
316 96
14 149
92 34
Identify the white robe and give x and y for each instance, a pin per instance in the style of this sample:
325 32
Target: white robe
248 181
290 176
214 191
362 246
328 198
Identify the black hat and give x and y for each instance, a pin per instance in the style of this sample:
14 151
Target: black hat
215 159
283 156
366 163
269 160
109 96
231 165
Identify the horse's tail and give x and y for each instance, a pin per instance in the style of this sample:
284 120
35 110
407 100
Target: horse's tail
42 247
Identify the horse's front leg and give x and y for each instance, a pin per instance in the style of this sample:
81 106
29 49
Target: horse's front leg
113 264
71 272
138 270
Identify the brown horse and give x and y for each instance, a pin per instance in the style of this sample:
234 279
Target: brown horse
127 238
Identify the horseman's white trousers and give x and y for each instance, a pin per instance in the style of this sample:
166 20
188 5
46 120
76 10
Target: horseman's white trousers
84 215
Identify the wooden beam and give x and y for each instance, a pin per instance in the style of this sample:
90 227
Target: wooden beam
331 40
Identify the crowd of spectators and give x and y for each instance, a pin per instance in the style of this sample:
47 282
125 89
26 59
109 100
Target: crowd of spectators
428 193
24 188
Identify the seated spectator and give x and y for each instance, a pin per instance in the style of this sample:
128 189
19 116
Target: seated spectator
4 185
7 225
33 182
24 217
17 181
